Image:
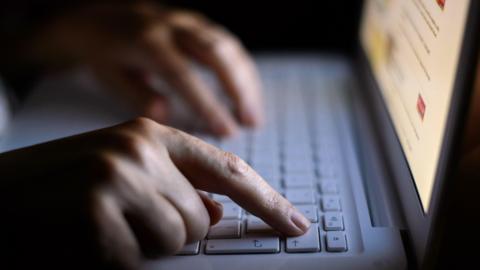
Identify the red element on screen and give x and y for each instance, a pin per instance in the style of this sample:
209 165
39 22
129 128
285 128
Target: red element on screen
441 3
421 107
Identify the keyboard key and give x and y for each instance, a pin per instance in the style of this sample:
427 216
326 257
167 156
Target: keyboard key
336 242
190 249
231 211
333 221
265 159
249 244
267 169
265 154
256 225
225 229
327 171
328 187
293 151
299 181
309 211
265 138
300 196
239 141
299 166
221 198
309 242
331 203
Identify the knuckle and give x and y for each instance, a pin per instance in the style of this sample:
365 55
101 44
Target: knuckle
235 166
143 125
223 42
186 17
133 145
154 35
105 166
222 46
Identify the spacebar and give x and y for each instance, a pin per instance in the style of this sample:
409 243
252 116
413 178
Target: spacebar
243 245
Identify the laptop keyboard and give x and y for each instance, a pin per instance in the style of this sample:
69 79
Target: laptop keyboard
296 152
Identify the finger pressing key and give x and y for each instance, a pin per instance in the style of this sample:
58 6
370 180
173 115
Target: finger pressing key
213 170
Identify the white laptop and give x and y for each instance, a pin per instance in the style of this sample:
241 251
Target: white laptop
362 146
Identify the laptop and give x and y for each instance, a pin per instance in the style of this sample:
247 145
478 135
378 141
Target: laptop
362 146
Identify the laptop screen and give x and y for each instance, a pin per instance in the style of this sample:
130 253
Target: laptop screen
413 47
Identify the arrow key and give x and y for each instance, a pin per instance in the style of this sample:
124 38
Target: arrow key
309 242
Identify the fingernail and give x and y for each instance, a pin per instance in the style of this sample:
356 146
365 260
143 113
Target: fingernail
300 221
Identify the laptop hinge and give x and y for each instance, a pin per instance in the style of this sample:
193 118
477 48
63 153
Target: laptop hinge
382 198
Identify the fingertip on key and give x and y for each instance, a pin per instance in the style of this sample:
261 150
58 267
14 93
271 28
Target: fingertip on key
300 221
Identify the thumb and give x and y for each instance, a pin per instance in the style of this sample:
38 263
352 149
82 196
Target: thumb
214 208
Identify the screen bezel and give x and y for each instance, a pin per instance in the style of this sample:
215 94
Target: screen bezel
422 226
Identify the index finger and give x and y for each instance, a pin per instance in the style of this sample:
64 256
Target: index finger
213 170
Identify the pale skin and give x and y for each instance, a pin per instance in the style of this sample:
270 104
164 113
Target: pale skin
138 186
114 197
126 45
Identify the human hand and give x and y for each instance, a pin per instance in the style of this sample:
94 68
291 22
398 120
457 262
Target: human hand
115 196
127 45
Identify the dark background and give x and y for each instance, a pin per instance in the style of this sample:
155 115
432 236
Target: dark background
298 24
